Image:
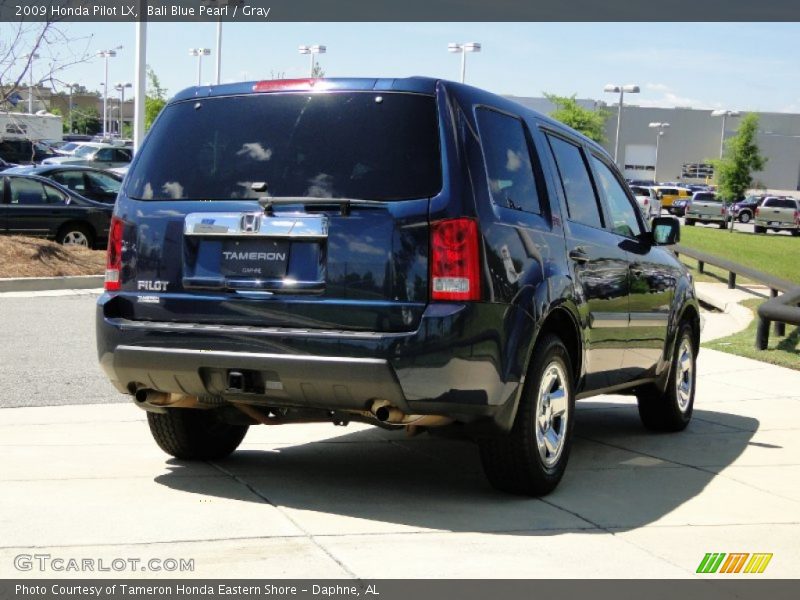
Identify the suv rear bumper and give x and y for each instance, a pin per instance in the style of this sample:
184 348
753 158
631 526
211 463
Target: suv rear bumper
436 369
778 224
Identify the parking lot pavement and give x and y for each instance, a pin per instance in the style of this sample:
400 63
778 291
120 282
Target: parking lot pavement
322 501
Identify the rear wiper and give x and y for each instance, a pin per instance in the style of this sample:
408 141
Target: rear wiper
344 204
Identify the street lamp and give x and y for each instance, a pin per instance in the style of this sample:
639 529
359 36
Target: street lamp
106 54
724 114
312 50
456 48
199 53
660 127
620 89
120 87
71 87
30 58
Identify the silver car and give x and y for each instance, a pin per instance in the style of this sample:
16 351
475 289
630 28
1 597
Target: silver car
93 154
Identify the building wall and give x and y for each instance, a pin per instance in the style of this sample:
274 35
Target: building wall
694 137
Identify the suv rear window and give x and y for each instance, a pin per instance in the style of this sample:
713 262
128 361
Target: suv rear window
359 145
780 203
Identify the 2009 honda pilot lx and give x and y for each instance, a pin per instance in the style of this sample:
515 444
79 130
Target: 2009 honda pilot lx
404 252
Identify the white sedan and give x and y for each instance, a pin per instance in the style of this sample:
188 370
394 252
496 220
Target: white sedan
648 200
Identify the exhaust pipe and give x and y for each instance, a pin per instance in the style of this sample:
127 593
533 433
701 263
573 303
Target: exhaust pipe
386 413
154 399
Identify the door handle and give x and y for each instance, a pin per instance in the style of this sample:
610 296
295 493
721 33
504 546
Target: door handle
578 254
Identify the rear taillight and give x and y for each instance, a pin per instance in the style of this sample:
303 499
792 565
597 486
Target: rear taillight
455 260
114 255
797 216
722 210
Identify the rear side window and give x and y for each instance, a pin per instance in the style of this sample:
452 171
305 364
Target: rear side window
360 145
582 203
508 161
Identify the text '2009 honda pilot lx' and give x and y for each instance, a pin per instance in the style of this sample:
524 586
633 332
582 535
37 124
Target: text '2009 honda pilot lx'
403 252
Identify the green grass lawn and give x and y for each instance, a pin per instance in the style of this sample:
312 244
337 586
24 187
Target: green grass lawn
775 254
783 351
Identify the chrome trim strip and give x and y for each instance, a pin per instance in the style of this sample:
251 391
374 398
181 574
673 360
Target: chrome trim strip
255 224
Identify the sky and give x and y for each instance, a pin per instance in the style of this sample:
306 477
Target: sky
737 66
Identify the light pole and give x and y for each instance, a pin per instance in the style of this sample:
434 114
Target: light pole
724 114
660 127
106 54
71 87
120 87
30 58
457 48
312 50
621 89
199 53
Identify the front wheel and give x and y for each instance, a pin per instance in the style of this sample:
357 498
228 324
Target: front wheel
744 217
531 459
194 434
671 410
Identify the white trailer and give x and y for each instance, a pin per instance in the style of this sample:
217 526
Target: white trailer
25 126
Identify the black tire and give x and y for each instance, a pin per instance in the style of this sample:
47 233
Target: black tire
74 231
758 229
671 410
745 216
193 434
513 462
723 225
795 232
690 222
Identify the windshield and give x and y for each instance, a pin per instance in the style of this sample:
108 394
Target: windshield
372 146
85 151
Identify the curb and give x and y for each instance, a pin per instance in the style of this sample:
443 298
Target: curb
40 284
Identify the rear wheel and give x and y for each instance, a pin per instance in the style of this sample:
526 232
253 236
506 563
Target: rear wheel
532 457
75 234
671 410
690 221
723 225
758 229
795 232
194 434
744 217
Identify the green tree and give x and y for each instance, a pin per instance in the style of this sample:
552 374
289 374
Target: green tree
742 157
86 121
590 123
318 72
155 98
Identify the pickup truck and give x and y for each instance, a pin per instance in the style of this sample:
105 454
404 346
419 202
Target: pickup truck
705 207
778 214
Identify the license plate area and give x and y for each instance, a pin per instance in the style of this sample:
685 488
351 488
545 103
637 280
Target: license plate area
286 253
259 258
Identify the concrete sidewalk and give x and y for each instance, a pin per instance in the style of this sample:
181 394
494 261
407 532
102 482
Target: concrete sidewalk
319 501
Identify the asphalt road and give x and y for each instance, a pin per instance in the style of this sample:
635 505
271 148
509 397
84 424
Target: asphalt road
48 355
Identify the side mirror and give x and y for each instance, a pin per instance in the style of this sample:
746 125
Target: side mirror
666 231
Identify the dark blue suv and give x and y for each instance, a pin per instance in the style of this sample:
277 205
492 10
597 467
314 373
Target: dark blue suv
411 253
